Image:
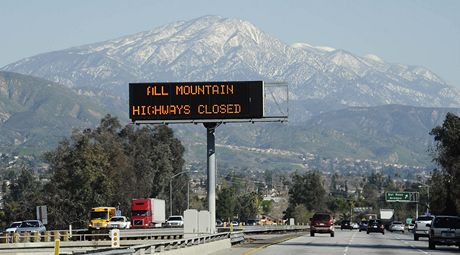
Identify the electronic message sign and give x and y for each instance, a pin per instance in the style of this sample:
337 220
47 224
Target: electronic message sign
175 101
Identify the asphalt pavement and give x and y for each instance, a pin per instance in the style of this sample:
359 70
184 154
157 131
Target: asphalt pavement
345 242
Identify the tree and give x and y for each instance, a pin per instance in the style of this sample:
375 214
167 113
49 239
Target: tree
447 156
267 206
306 190
438 193
226 203
109 166
22 198
301 215
248 206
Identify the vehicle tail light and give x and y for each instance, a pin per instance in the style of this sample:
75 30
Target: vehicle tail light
330 222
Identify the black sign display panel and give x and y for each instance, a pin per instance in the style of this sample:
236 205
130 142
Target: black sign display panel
195 100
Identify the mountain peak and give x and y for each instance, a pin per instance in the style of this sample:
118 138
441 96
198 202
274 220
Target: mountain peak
218 48
301 45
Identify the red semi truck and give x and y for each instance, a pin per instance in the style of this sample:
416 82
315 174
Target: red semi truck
147 212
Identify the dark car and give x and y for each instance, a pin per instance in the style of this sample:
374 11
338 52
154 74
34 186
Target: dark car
444 230
251 222
363 225
346 224
219 223
375 226
322 223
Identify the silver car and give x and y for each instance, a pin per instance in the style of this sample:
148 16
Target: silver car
31 226
444 230
420 227
13 227
397 226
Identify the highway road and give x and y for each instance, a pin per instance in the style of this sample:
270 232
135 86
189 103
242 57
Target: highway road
345 242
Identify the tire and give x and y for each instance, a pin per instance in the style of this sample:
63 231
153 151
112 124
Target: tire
383 232
368 232
431 245
360 230
312 233
416 237
332 234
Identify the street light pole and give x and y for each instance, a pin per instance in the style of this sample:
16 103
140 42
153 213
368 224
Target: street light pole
170 191
428 194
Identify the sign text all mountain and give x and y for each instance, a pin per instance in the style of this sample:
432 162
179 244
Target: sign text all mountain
195 100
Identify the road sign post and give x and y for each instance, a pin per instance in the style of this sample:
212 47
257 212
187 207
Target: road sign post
403 196
210 103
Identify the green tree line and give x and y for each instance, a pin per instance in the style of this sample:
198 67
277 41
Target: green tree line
308 192
105 166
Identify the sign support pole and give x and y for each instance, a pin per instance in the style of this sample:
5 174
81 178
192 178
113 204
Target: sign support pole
211 160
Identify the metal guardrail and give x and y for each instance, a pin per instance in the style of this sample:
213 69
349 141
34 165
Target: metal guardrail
131 234
65 235
161 246
236 237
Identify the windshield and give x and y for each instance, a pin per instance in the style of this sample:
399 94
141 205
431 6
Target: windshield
15 224
425 218
447 222
117 219
28 224
99 215
174 218
140 213
321 217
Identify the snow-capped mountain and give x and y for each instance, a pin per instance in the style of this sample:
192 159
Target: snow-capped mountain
216 48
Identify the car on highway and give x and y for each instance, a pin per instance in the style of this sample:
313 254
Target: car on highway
235 223
13 227
444 230
396 226
219 223
375 226
119 222
31 226
175 221
251 222
354 225
345 224
322 223
363 225
420 226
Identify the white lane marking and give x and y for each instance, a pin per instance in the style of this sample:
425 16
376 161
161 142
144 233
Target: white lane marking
411 245
349 243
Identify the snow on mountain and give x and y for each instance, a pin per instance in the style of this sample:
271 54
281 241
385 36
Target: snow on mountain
216 48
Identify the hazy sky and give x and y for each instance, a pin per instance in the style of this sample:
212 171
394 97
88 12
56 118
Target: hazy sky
425 33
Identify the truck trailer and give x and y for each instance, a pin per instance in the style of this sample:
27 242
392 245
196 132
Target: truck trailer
147 212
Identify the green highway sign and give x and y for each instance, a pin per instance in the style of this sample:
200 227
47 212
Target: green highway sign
404 196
